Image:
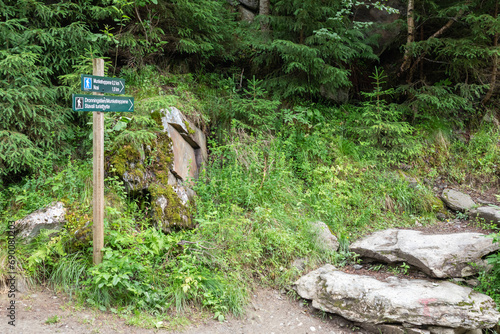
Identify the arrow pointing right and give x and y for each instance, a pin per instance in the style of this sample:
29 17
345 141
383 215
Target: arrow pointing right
132 104
123 87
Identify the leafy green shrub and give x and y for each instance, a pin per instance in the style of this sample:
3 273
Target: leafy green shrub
122 279
261 247
308 138
71 184
153 271
483 150
251 210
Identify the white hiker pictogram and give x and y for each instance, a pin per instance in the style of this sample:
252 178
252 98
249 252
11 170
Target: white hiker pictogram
87 83
78 103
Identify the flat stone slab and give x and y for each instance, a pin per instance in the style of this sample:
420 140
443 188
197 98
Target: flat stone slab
184 156
457 201
365 299
437 255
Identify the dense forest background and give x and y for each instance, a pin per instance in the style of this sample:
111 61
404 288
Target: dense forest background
312 109
435 65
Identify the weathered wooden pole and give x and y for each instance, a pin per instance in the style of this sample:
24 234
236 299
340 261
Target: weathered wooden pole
98 164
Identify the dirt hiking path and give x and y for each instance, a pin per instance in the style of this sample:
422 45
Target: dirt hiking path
269 312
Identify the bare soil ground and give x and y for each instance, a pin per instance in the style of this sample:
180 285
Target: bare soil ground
269 312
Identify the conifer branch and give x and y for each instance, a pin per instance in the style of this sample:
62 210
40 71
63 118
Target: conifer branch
435 35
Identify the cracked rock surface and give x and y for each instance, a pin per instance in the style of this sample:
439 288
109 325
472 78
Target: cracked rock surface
437 255
412 303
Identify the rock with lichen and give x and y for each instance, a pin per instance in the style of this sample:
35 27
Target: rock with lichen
490 214
164 169
417 304
51 217
457 200
437 255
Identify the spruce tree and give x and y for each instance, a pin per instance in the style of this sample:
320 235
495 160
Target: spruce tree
39 42
312 47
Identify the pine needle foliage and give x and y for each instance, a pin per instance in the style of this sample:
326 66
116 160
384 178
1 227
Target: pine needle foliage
40 41
311 47
176 31
31 121
457 44
382 126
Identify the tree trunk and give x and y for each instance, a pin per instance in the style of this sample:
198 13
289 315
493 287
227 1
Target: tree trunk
411 36
264 11
494 70
435 35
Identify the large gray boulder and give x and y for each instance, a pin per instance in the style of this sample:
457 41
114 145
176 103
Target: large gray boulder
437 255
457 201
490 214
51 217
164 168
411 303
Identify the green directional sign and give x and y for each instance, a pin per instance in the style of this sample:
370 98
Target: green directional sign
102 103
94 83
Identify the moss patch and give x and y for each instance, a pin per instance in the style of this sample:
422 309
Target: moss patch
438 206
189 129
162 156
79 226
122 159
168 210
156 116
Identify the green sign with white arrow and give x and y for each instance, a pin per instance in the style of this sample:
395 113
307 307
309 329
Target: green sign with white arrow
102 103
98 84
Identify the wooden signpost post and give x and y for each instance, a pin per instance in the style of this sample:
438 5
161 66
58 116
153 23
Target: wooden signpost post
98 103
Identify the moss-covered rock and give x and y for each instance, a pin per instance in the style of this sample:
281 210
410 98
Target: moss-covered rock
79 225
147 168
168 210
438 206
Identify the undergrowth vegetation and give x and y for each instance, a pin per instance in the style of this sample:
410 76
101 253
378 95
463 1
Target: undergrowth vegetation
272 171
256 198
302 126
